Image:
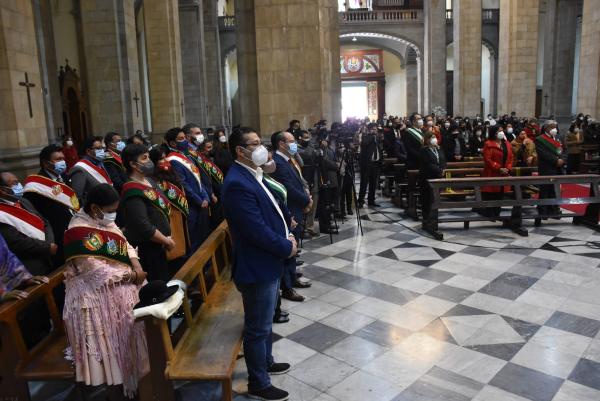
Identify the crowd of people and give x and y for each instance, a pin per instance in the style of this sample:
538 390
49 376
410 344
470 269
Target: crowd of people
121 212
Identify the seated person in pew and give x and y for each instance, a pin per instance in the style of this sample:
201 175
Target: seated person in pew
497 158
432 164
14 276
102 278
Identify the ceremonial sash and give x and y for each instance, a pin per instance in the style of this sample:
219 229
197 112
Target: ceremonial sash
115 159
157 198
176 196
23 221
53 190
179 157
416 133
275 186
98 173
550 144
94 242
210 168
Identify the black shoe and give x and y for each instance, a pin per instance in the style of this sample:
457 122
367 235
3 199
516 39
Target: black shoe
281 319
350 212
292 295
270 393
361 204
302 284
278 368
299 274
299 262
284 313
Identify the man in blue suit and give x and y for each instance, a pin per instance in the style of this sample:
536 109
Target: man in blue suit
189 174
299 202
261 242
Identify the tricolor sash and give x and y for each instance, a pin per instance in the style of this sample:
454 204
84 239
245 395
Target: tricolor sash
157 198
209 167
115 159
176 196
89 241
275 186
98 173
52 190
550 144
416 133
181 158
23 221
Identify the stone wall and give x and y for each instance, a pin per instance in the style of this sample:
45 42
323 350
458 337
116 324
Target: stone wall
589 65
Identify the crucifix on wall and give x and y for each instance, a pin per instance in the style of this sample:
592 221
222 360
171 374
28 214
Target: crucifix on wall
136 98
181 104
28 85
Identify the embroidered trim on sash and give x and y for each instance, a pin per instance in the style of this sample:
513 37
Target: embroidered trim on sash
99 174
157 198
176 196
88 241
53 190
23 221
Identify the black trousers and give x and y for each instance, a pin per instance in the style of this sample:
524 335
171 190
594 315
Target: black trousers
153 259
325 208
346 194
369 176
573 162
547 192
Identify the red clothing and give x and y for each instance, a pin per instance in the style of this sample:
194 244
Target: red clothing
492 158
71 156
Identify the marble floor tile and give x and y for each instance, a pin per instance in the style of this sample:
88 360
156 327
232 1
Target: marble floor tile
332 263
415 284
587 373
296 323
527 383
300 390
291 352
574 324
355 351
449 293
508 285
424 391
527 312
362 386
318 336
314 309
487 302
546 360
571 391
584 309
347 320
562 341
466 282
321 371
384 334
471 364
593 351
431 274
491 393
409 319
431 305
341 297
453 382
539 298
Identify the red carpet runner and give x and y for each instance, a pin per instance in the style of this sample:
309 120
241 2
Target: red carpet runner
574 191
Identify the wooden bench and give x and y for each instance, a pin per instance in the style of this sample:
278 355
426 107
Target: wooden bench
413 192
206 344
517 202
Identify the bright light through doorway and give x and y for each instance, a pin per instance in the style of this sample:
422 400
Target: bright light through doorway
354 100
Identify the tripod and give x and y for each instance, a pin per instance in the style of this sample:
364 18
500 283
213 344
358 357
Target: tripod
348 158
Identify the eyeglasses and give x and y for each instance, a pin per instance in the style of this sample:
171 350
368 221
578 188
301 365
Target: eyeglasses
244 145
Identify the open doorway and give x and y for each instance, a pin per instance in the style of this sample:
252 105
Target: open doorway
354 100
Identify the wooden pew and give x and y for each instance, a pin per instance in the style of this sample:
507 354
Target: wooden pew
517 202
206 344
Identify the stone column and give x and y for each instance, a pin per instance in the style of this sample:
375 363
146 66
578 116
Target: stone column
111 62
193 60
435 53
161 19
466 16
412 87
589 66
517 59
559 56
215 105
292 51
23 123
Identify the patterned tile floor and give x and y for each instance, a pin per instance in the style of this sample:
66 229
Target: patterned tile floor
485 316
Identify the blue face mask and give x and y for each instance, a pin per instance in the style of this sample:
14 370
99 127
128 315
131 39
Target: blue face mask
183 145
120 146
17 190
293 148
60 167
99 153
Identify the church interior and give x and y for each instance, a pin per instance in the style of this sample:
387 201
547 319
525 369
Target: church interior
474 278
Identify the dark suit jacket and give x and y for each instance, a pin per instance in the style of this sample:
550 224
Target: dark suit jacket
82 182
34 253
413 148
448 145
368 146
57 215
297 199
547 159
260 243
430 167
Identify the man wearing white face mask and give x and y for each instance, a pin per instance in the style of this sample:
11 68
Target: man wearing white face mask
89 171
550 162
112 159
261 243
193 134
413 141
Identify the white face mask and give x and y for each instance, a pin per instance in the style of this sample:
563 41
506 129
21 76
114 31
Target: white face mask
501 136
420 122
433 141
429 123
447 125
509 130
553 131
199 138
223 139
478 133
69 143
260 156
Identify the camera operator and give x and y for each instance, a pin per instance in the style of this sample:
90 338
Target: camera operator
328 186
310 172
371 156
345 155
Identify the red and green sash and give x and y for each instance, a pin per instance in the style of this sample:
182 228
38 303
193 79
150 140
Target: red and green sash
157 198
114 158
94 242
23 221
177 156
550 143
53 190
208 166
176 196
